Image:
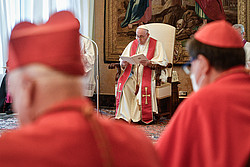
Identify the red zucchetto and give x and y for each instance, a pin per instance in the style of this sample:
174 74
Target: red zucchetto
55 44
219 34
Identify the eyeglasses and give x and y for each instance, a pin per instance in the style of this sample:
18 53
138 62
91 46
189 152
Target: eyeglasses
187 67
141 36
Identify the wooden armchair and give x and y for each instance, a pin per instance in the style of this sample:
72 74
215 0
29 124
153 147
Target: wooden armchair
166 93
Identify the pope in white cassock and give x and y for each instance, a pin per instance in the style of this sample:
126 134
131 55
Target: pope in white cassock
88 59
135 94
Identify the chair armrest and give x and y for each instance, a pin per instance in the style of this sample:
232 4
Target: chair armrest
158 68
118 67
114 65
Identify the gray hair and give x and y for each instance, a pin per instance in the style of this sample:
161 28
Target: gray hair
236 26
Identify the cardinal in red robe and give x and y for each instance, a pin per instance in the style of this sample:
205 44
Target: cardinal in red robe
211 127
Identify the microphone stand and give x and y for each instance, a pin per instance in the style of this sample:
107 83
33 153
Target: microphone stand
97 74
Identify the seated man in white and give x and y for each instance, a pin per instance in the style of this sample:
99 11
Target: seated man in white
135 98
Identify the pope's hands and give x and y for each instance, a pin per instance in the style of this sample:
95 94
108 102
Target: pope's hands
124 64
146 63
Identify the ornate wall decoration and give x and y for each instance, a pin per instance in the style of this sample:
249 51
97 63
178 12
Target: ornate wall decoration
179 13
242 12
248 20
164 11
244 16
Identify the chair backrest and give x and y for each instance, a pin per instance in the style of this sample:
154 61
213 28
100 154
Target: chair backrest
166 35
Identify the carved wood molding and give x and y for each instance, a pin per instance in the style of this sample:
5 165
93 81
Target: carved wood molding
244 16
248 20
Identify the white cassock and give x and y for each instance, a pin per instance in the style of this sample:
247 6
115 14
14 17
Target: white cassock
130 104
88 59
247 50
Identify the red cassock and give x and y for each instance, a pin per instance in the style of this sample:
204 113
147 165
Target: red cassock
212 127
64 137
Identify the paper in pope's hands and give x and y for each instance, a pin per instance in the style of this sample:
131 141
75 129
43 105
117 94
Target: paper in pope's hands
135 59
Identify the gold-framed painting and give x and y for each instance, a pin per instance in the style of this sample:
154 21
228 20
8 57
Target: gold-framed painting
178 13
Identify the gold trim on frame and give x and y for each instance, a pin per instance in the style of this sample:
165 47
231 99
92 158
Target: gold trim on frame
244 16
115 37
248 20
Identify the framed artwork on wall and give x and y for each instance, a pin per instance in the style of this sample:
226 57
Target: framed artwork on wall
122 17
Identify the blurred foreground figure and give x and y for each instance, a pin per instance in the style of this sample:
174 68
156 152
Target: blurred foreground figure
58 125
211 127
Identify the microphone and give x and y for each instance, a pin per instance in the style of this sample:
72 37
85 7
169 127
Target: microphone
97 72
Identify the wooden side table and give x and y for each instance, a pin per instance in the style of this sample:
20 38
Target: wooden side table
181 98
167 106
